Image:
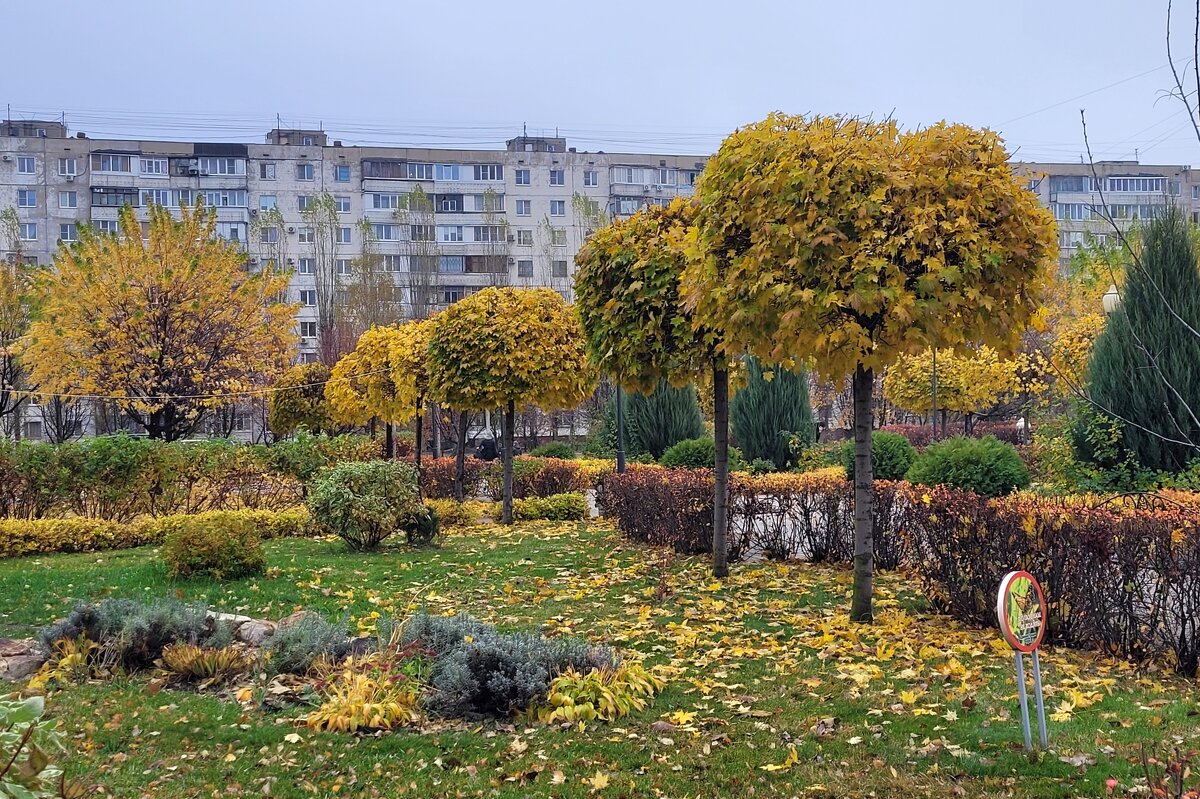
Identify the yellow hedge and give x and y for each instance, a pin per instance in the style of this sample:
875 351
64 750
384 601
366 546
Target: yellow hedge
44 536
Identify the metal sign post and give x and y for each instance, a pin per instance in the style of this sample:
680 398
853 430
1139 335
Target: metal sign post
1021 611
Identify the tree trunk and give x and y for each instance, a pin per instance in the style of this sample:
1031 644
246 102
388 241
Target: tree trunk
510 429
436 414
864 484
389 442
721 491
460 458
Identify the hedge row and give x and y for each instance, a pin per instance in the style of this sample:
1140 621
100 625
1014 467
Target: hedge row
1120 577
120 478
922 435
45 536
532 477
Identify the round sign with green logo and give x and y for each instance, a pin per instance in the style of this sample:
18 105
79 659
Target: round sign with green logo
1021 609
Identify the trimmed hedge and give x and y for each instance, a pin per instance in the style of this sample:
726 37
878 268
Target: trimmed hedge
45 536
223 545
1118 577
557 508
532 477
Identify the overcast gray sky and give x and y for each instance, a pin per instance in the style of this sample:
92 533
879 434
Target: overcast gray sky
617 75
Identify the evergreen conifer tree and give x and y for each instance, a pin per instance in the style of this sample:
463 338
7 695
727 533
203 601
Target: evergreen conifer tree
1145 367
766 410
658 420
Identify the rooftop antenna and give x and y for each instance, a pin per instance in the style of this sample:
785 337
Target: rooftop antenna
524 130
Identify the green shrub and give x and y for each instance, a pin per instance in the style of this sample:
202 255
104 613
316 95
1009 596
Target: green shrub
698 453
811 457
891 455
556 508
293 649
761 466
223 545
554 449
134 633
364 503
420 526
304 455
986 466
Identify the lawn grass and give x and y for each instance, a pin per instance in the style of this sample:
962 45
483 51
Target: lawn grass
760 665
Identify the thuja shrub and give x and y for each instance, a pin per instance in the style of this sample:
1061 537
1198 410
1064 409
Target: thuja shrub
222 545
364 503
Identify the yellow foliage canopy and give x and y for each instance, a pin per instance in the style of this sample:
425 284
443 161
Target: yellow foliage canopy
969 383
854 243
384 377
169 327
504 345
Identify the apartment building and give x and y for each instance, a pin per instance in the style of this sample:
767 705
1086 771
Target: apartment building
1094 201
444 222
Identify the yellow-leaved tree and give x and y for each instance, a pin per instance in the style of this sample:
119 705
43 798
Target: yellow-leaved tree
298 401
384 378
504 346
967 383
854 243
168 328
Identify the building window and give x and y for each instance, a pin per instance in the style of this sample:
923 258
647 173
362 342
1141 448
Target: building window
448 233
68 199
393 263
107 226
386 202
524 268
627 206
558 208
306 266
156 197
222 166
627 174
68 231
154 166
449 204
451 264
306 234
308 330
447 171
557 177
345 266
558 237
67 167
230 231
266 171
525 237
452 294
345 235
28 231
489 233
303 202
522 177
489 172
487 202
420 232
307 141
308 297
1073 211
385 232
524 208
418 171
225 198
304 171
341 173
27 165
269 235
26 198
343 204
667 177
558 268
266 202
106 162
590 177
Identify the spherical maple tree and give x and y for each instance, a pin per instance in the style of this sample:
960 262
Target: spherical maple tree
851 242
504 346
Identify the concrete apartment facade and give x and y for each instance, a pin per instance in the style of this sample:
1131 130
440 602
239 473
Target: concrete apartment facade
515 216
